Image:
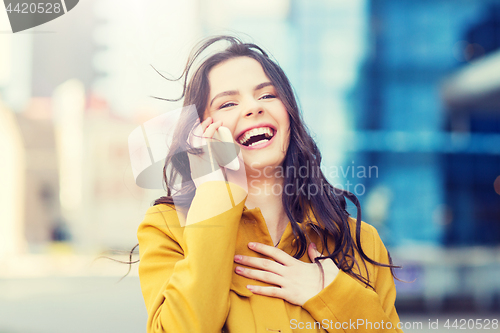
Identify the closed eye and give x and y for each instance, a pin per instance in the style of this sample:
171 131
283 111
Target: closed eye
268 96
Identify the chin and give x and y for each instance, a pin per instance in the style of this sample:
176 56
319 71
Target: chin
262 164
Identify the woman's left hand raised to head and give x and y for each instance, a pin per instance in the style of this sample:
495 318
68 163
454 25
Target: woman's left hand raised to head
295 280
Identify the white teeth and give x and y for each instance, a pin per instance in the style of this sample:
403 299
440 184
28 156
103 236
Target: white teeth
256 131
258 142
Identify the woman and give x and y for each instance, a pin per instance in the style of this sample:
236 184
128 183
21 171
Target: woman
253 248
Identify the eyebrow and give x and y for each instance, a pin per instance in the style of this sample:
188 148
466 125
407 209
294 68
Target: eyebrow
235 92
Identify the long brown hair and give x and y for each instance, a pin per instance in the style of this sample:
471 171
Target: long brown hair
329 208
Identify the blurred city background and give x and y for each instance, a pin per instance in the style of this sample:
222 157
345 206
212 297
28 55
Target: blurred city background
406 90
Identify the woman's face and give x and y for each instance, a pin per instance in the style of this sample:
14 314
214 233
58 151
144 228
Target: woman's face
244 99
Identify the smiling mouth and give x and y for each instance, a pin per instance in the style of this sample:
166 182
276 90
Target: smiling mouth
256 136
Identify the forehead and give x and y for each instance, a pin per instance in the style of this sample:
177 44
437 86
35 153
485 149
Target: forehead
235 74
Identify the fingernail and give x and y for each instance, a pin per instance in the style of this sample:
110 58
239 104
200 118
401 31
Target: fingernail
249 287
237 257
314 246
251 245
239 269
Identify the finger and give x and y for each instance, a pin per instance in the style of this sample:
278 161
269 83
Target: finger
206 123
199 129
209 132
273 252
259 275
196 136
262 264
267 291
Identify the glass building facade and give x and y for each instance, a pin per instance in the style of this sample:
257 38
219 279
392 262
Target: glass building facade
386 62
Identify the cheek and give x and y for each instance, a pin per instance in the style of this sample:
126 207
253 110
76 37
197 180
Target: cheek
286 140
285 124
217 117
206 114
286 131
228 120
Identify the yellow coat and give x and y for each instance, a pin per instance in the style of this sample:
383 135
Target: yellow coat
189 283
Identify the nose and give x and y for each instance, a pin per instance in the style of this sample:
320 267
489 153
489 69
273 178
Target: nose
252 108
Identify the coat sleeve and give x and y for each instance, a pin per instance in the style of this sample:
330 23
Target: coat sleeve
348 306
186 282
